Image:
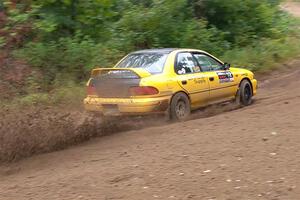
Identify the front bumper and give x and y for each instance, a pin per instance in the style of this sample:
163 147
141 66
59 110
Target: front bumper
127 106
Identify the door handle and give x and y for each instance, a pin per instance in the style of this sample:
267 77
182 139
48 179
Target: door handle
211 78
184 82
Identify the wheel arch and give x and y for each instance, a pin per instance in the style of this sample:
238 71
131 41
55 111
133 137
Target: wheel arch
246 78
181 91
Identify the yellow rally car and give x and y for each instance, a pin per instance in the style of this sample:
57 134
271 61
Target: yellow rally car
172 81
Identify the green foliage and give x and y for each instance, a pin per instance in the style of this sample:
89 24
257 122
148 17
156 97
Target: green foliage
65 92
60 18
245 20
132 24
33 99
2 42
265 55
166 23
73 56
210 39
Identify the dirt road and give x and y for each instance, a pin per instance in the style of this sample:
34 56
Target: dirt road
292 7
249 153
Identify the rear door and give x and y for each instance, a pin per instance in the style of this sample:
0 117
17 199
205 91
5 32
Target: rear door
191 79
222 83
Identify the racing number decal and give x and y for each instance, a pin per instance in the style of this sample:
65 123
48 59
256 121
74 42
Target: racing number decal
225 77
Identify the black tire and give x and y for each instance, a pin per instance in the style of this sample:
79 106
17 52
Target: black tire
245 93
180 107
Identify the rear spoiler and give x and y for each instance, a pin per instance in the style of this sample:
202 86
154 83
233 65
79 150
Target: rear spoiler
142 73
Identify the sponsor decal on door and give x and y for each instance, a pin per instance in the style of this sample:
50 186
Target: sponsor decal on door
225 77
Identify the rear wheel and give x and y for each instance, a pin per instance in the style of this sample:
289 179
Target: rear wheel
245 93
180 107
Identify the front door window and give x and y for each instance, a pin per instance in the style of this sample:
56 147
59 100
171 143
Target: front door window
207 63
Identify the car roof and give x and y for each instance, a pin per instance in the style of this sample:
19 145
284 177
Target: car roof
164 50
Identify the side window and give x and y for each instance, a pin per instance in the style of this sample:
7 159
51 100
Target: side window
203 62
207 63
186 64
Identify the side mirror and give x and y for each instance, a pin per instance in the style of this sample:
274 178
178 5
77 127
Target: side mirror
226 66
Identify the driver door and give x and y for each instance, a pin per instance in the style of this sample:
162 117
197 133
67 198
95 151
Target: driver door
222 83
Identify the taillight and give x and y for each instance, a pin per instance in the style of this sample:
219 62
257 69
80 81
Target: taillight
143 90
91 88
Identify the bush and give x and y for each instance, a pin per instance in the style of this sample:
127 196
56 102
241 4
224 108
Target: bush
70 95
74 57
265 54
245 20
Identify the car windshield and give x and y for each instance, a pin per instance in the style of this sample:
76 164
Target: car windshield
152 62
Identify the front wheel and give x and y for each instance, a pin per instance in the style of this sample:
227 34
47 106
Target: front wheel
180 107
245 93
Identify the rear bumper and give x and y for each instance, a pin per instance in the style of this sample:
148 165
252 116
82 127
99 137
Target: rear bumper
127 106
254 86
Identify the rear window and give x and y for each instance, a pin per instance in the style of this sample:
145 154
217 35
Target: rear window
152 62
